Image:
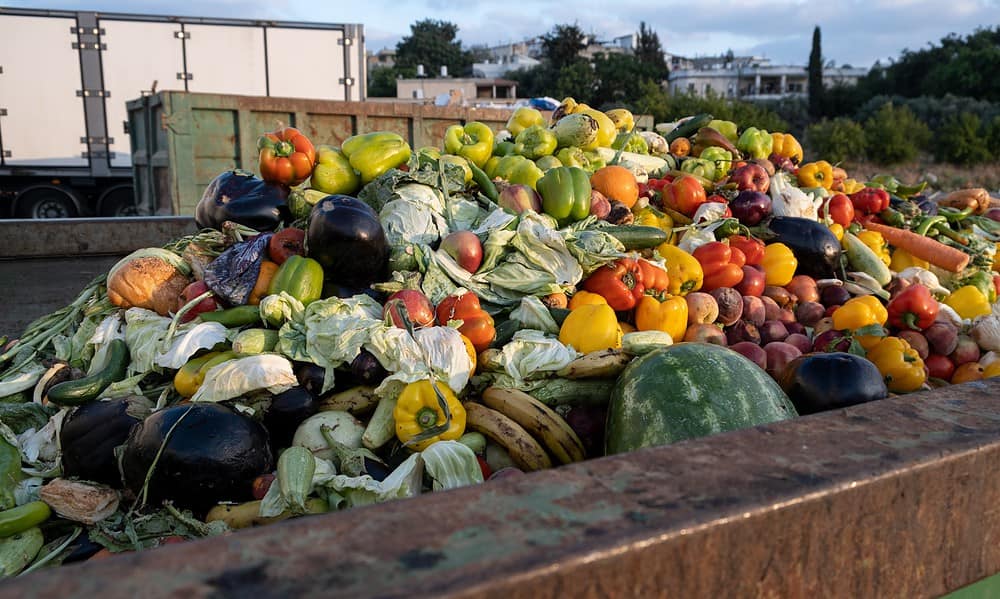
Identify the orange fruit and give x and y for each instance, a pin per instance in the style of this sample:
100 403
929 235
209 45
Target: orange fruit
616 183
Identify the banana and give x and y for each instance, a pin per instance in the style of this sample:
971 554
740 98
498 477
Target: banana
526 452
538 419
356 400
606 363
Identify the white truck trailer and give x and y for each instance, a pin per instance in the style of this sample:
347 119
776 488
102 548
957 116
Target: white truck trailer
65 77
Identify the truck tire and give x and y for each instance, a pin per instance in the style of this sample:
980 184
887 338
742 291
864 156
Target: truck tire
46 202
117 201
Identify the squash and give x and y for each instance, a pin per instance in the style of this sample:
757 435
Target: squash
689 390
210 456
817 382
92 431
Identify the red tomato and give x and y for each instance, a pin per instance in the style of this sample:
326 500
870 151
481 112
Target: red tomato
684 194
841 209
752 248
477 323
286 243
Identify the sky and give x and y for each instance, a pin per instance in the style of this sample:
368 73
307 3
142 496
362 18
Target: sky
854 32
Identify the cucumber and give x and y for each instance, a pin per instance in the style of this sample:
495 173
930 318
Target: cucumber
232 318
255 341
690 390
80 391
689 127
861 257
23 517
637 237
296 467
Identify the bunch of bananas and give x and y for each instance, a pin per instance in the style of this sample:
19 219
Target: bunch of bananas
533 434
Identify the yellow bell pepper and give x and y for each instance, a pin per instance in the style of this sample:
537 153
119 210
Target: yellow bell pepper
683 269
850 186
191 375
623 119
858 313
785 144
969 302
606 130
779 264
837 230
902 259
591 327
899 364
816 174
670 316
584 298
471 350
877 243
651 217
418 410
991 370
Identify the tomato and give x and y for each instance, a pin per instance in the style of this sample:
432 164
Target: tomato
285 243
418 308
752 248
684 194
722 265
477 324
841 209
206 305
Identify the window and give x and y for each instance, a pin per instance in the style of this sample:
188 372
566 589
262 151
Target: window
691 87
708 88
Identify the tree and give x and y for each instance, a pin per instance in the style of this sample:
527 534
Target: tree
563 45
816 76
650 54
382 83
432 44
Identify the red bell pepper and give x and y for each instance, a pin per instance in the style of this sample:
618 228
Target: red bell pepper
869 200
913 308
286 156
619 282
722 265
654 278
752 248
684 194
477 324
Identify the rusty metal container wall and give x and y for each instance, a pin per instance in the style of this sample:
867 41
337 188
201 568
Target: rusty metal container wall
183 140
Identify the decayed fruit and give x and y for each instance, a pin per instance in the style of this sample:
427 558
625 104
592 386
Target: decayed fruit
524 450
541 421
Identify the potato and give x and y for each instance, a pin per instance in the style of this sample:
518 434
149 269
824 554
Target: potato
702 308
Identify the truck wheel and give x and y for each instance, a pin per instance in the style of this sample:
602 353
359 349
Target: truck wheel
118 201
46 202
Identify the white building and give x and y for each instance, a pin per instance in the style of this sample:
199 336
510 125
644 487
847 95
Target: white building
749 77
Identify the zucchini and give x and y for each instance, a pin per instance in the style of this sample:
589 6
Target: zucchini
80 391
637 237
255 341
863 258
382 426
23 517
689 127
232 318
296 467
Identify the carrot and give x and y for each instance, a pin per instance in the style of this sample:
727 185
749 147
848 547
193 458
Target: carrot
921 246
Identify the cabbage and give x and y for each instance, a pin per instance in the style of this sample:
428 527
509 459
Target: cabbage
240 376
532 354
451 464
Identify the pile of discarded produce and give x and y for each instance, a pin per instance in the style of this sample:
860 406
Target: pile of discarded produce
369 322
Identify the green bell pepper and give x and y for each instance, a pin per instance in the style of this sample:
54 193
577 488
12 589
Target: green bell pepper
490 168
474 141
299 277
699 166
547 162
572 156
333 172
372 154
518 169
565 192
504 148
755 142
727 128
522 118
628 141
721 158
534 142
983 281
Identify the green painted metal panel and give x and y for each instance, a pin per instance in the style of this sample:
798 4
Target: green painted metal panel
987 588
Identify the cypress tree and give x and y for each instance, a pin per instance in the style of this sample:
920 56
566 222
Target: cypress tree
816 76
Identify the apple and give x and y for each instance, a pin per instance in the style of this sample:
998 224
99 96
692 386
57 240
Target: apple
465 248
416 305
750 176
753 283
518 198
192 291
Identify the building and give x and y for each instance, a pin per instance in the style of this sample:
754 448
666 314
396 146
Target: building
495 68
383 58
456 90
526 54
749 77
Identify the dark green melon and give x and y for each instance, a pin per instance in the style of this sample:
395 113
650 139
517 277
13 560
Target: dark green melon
690 390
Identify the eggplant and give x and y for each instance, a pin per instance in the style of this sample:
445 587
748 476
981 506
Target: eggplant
239 196
813 244
287 411
367 370
345 236
212 455
817 382
90 434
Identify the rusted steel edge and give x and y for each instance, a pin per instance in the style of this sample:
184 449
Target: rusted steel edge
892 498
51 238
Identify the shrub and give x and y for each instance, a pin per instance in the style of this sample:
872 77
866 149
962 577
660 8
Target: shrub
743 113
894 135
836 140
993 137
959 141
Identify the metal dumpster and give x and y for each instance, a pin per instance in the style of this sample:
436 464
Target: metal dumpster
895 498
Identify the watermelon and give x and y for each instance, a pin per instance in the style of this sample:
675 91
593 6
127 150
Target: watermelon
689 390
